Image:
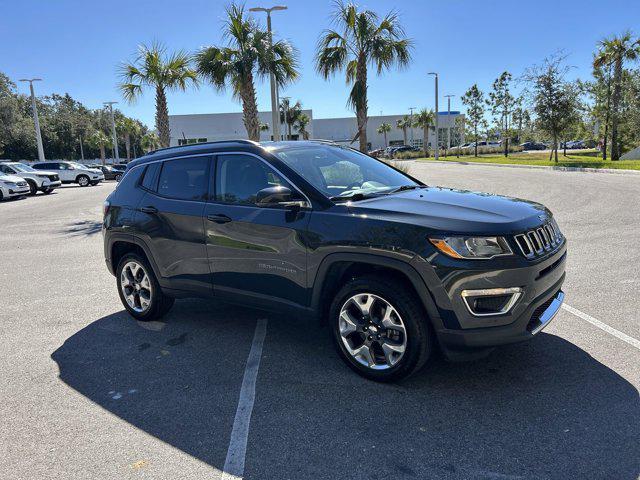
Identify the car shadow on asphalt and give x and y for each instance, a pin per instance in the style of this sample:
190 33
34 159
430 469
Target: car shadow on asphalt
543 409
82 228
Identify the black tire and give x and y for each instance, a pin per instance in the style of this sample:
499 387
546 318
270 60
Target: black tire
118 177
414 317
1 196
47 191
160 303
33 188
83 180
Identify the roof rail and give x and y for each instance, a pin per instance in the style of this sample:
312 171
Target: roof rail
235 140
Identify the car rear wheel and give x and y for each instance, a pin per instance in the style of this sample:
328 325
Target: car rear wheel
47 190
83 180
380 329
118 177
139 290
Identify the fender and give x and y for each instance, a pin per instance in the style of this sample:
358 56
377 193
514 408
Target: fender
424 293
130 238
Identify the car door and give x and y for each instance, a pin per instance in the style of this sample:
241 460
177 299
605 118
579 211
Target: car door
66 172
169 221
256 254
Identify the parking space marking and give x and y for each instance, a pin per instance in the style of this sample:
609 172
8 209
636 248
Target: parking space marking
603 326
234 463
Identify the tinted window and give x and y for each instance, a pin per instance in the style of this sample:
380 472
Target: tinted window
150 179
184 178
240 177
6 169
46 166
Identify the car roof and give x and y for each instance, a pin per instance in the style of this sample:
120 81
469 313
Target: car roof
222 146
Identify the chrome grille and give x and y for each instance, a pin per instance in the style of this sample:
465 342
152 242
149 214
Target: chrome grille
21 184
538 241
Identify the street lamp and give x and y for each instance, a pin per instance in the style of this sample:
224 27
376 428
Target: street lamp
275 115
113 130
36 122
411 109
448 97
437 149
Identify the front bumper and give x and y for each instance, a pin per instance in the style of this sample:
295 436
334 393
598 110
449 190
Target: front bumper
16 191
50 185
540 283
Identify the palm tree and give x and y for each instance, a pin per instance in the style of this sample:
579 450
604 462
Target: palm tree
289 114
155 68
615 51
383 129
403 124
246 55
150 141
424 120
100 140
361 39
128 127
301 125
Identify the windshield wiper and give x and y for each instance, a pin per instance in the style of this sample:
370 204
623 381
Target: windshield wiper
354 197
405 187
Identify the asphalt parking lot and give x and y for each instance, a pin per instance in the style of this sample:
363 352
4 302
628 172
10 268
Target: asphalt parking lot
89 393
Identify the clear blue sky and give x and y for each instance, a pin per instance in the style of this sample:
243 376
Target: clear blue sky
76 45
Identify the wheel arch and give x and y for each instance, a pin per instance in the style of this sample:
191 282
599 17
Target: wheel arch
336 268
121 245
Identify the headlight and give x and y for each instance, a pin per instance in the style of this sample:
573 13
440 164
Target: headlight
472 247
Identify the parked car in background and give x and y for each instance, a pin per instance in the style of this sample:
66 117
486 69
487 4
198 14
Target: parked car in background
533 146
12 186
377 153
72 172
38 180
111 172
574 144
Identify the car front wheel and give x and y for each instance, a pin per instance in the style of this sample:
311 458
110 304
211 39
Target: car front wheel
380 329
139 290
83 180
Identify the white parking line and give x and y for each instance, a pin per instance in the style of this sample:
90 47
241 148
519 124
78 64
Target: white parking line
603 326
234 463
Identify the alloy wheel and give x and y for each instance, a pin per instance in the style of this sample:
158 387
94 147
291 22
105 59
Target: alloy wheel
136 286
83 181
372 331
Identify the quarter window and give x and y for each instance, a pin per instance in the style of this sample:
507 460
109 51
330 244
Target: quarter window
240 177
151 176
184 178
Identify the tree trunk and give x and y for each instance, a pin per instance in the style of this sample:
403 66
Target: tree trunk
404 135
361 101
385 138
127 145
475 147
250 108
162 117
555 147
102 154
425 140
617 87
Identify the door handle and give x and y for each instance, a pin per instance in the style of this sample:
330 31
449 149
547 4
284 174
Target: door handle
149 209
219 218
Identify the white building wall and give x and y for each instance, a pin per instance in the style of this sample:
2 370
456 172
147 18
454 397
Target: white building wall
343 130
227 126
220 126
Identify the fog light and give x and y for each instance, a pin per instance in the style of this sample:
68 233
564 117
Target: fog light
490 301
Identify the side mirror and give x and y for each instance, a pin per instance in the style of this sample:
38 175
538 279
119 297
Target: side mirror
277 197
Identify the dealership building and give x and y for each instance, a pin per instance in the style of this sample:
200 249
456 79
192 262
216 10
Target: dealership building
209 127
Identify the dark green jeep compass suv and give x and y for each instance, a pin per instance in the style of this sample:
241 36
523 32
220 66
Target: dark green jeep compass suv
395 268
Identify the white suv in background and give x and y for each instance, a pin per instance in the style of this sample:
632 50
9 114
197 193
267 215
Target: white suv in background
41 180
12 186
72 172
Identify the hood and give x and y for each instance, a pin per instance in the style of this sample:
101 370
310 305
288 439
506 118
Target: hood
456 211
11 178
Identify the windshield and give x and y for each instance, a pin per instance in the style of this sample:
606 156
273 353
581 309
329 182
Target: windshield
21 167
341 172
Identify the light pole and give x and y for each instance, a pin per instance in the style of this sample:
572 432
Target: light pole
35 116
437 149
113 130
411 109
448 123
275 114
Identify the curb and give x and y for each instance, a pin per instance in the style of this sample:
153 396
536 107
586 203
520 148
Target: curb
618 171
